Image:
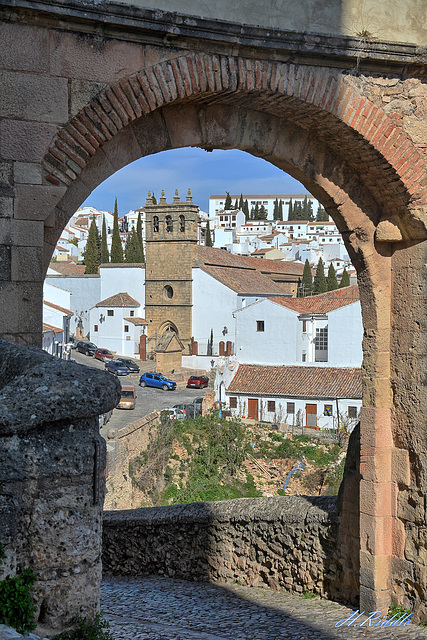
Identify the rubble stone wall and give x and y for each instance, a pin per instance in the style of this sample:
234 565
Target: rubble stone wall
52 479
285 542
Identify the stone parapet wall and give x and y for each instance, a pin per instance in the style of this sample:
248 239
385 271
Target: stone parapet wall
285 542
52 478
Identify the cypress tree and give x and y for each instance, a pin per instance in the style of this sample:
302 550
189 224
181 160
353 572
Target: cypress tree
98 243
321 215
262 213
345 279
228 205
280 214
132 248
236 206
332 281
276 210
105 256
210 344
241 202
256 211
139 237
91 252
116 256
290 210
246 210
154 198
208 237
319 282
307 280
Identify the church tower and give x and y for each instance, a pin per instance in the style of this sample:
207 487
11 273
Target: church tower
171 236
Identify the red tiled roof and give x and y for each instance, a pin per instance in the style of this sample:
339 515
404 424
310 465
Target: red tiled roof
323 302
50 327
305 381
69 269
119 300
136 321
58 308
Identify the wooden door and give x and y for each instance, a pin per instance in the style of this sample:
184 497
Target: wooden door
311 415
253 408
143 347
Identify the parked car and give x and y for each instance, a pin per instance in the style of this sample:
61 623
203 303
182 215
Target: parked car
127 398
197 382
180 407
130 364
103 355
172 414
157 380
117 367
87 348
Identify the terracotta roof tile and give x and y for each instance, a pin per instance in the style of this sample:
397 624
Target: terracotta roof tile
119 300
138 322
323 302
305 381
50 327
69 269
58 308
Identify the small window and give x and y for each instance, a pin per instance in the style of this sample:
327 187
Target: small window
271 406
95 328
260 325
168 292
169 224
110 312
156 224
327 410
304 326
233 402
304 356
352 412
132 314
182 223
290 407
126 329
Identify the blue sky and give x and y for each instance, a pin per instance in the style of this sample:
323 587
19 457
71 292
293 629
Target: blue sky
205 173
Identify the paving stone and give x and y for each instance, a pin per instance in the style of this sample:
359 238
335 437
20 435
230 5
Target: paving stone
162 608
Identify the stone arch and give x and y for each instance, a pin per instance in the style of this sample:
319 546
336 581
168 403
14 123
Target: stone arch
311 122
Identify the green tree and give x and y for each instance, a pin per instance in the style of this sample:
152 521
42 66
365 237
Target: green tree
262 213
256 212
332 281
307 281
246 210
236 204
319 282
241 202
345 279
208 237
132 248
153 197
280 215
210 344
276 210
105 256
321 215
227 205
91 260
290 210
140 240
116 256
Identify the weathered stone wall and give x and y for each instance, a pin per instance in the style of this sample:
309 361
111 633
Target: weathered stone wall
284 542
52 483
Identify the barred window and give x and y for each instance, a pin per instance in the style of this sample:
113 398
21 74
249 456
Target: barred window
352 412
271 406
110 312
260 325
233 402
322 339
290 407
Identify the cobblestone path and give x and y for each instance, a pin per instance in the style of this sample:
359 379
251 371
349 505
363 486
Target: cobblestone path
167 609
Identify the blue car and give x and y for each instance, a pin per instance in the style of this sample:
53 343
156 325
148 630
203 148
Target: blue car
157 380
117 367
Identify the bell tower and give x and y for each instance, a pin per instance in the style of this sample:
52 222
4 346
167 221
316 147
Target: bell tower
171 236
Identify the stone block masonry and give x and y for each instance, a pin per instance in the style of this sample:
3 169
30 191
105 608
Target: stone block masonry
52 478
285 542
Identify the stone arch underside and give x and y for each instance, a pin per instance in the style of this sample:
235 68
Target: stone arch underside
354 158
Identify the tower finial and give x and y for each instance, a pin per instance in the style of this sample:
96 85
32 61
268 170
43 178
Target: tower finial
176 199
189 199
162 198
149 199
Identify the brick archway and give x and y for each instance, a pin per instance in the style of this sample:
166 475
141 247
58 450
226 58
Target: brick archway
313 122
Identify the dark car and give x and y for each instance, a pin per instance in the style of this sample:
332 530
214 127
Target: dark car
87 348
197 382
130 364
117 367
103 355
157 380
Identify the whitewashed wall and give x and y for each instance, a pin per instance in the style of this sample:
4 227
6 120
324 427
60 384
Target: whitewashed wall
85 293
123 279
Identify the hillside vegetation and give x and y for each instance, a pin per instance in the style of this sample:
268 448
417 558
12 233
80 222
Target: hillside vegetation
211 458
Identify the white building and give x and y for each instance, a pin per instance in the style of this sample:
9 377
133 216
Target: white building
312 397
217 202
326 328
116 324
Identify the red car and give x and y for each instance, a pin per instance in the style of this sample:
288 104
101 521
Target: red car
103 354
197 382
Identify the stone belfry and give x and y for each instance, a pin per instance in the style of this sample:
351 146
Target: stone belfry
171 232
